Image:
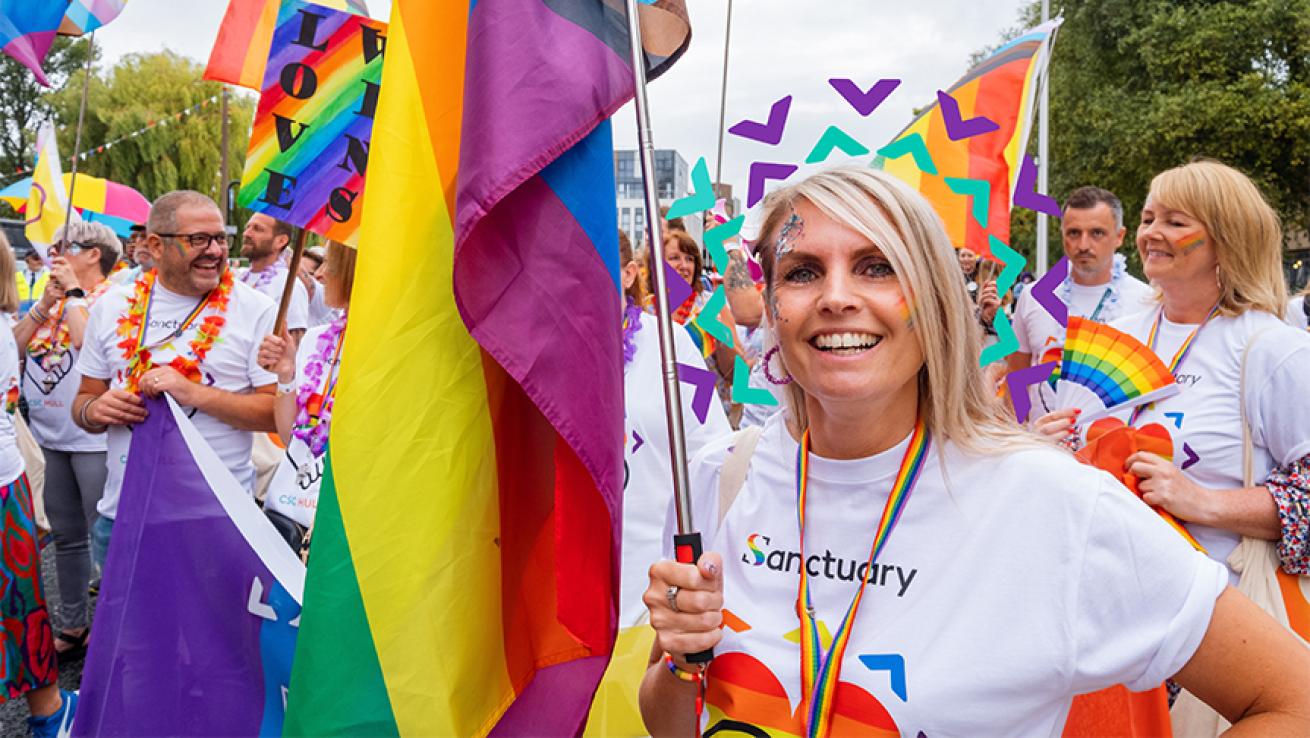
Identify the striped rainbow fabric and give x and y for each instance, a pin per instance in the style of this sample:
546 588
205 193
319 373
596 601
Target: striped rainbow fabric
1003 88
241 50
88 15
465 566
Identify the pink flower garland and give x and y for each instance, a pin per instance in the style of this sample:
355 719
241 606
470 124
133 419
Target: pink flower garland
312 427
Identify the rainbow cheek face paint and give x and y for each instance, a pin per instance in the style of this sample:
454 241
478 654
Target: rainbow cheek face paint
1188 244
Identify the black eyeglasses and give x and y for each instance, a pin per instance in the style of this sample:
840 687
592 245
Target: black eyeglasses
201 240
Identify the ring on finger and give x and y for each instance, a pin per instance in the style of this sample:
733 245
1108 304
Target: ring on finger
672 596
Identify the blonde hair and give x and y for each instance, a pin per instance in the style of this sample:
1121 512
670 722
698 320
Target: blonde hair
8 270
339 265
1244 230
954 399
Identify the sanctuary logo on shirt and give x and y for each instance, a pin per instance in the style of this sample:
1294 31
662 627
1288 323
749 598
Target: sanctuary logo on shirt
760 554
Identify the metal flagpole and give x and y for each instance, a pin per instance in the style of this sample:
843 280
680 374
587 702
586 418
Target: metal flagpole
687 542
723 100
1043 153
81 117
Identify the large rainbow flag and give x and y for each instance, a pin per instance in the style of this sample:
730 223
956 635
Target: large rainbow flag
240 52
463 579
1003 88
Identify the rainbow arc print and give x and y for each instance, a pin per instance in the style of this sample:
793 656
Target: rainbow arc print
1118 369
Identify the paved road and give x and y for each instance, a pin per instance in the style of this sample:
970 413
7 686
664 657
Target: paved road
13 714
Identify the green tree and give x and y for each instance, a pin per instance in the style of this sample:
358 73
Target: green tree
1139 86
145 89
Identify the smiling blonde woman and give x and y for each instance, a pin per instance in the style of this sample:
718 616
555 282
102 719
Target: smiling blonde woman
900 559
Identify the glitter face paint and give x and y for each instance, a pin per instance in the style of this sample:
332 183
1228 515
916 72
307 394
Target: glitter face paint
793 229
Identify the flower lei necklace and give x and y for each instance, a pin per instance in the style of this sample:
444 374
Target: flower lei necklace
52 340
265 277
318 391
631 324
132 329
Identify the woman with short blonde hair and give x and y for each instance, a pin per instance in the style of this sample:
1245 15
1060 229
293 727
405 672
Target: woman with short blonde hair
1000 578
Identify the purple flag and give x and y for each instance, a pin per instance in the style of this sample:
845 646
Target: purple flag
196 625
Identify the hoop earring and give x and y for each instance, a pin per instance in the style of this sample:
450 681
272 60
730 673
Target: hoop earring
769 375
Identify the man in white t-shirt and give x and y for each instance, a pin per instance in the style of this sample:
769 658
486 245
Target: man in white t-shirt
263 242
1098 287
219 382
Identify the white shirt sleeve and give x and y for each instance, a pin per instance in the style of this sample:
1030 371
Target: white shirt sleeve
1144 597
263 326
97 342
1278 399
1295 315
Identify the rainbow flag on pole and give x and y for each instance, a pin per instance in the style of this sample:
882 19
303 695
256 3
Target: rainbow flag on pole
1002 87
240 52
463 579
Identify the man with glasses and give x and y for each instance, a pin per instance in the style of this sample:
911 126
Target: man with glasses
1098 287
188 329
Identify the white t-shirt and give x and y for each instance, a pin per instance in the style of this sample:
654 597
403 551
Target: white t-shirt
1205 418
1042 337
50 386
272 284
319 312
1295 315
648 487
294 489
11 461
1013 581
231 365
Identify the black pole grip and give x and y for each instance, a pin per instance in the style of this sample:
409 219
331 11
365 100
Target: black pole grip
687 548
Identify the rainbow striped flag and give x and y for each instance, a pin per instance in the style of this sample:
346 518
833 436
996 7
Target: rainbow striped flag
1002 87
241 50
27 29
464 573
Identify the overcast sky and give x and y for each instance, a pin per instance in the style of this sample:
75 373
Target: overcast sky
779 47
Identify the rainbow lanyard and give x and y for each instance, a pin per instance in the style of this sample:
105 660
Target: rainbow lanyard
819 675
145 322
1179 357
330 382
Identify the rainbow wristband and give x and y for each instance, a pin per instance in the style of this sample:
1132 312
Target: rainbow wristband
686 676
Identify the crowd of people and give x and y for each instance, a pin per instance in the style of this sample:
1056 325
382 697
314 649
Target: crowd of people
888 501
98 327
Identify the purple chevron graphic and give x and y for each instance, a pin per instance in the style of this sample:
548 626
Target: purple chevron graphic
703 380
675 287
769 132
762 171
865 102
1020 380
958 128
1043 291
637 441
1192 458
1026 194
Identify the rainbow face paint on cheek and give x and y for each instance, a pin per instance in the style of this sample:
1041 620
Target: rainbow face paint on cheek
1188 244
906 312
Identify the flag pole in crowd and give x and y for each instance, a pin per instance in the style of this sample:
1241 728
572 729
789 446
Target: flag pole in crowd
1043 152
687 542
292 280
81 119
723 99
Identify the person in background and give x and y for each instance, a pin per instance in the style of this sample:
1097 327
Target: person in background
1298 310
51 338
684 255
264 242
307 383
31 281
28 664
136 252
312 277
1098 287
